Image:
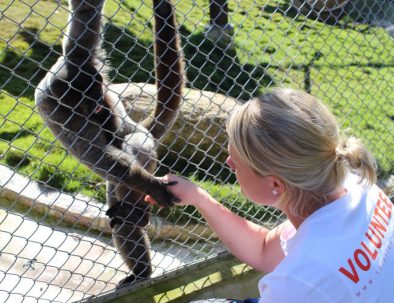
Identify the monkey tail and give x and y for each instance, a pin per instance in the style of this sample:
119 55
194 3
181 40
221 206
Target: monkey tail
82 41
169 69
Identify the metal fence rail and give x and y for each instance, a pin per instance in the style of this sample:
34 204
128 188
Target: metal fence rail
56 241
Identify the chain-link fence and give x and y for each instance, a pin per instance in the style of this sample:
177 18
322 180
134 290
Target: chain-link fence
55 235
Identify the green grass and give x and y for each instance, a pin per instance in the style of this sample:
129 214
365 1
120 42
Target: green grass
353 75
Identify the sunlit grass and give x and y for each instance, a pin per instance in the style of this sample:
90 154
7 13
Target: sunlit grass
353 73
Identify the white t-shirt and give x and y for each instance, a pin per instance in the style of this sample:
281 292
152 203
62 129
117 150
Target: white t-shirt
342 253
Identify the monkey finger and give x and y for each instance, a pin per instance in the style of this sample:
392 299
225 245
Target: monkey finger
176 199
110 212
115 221
170 183
115 210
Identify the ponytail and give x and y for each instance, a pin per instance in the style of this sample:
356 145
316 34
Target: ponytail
353 152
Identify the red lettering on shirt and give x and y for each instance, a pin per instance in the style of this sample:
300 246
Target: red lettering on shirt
376 241
378 226
384 208
359 262
384 198
373 254
377 229
351 275
378 213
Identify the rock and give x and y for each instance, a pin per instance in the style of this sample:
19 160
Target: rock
221 36
198 135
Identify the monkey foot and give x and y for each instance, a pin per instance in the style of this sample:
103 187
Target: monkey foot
122 214
130 280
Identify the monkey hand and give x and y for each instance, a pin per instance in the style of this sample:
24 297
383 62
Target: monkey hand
185 191
161 193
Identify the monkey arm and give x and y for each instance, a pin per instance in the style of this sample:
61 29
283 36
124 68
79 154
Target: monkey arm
169 69
83 32
119 167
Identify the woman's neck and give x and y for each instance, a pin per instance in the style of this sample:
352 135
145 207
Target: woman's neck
298 220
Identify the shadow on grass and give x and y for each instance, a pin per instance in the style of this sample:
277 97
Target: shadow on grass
20 73
328 17
11 136
217 69
208 67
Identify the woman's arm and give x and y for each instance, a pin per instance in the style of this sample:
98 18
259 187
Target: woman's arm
251 243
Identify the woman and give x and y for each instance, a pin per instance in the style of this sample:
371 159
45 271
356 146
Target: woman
337 244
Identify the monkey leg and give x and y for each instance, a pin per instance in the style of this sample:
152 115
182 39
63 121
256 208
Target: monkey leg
87 4
134 246
129 216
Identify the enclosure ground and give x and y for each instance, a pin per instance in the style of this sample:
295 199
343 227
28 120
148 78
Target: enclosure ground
61 265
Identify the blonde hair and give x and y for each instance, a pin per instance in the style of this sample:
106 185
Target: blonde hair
293 136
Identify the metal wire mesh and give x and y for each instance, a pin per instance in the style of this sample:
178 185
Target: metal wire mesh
55 237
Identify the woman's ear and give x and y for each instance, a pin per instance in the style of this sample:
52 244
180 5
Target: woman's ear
278 186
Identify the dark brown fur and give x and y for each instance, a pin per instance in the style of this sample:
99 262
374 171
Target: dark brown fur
93 125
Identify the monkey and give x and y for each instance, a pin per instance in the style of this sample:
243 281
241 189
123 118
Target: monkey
90 121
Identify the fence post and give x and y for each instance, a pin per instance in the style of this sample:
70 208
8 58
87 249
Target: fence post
307 72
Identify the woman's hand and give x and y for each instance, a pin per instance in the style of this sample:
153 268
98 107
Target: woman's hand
186 191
